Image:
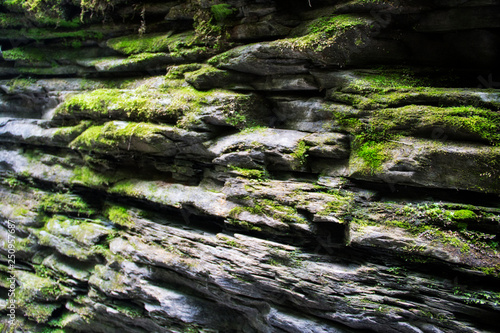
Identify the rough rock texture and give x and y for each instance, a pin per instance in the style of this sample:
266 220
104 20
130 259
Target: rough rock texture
250 166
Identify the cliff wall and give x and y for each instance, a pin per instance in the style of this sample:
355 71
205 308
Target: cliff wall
250 166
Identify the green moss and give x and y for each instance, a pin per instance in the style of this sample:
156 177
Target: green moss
300 152
129 310
244 225
33 287
119 215
127 187
177 72
280 212
329 26
221 11
61 321
386 81
492 271
139 105
285 258
419 222
237 120
249 173
339 204
463 120
26 54
39 312
367 97
103 103
270 208
233 243
9 21
373 154
464 214
69 133
88 177
432 213
134 44
323 32
65 203
113 136
11 181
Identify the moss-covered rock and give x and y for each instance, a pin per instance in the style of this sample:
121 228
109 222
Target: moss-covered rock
116 136
65 203
427 163
379 89
336 40
152 43
83 232
465 122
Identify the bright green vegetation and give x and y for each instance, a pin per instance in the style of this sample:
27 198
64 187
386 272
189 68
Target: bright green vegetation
437 214
207 76
10 21
244 224
373 155
135 44
20 84
395 98
26 54
88 177
464 214
10 181
37 288
60 321
32 54
125 136
65 203
254 129
71 132
323 32
129 310
329 26
230 242
400 87
127 104
172 105
250 173
477 297
119 215
464 242
300 152
15 21
412 119
178 72
441 225
209 26
222 11
339 203
39 312
386 81
271 208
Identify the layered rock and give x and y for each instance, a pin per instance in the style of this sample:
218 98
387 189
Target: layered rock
250 167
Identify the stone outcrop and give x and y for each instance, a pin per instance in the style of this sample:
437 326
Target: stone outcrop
249 166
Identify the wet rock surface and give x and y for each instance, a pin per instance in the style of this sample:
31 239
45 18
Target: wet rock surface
322 166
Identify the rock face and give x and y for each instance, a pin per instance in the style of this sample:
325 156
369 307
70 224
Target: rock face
250 166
